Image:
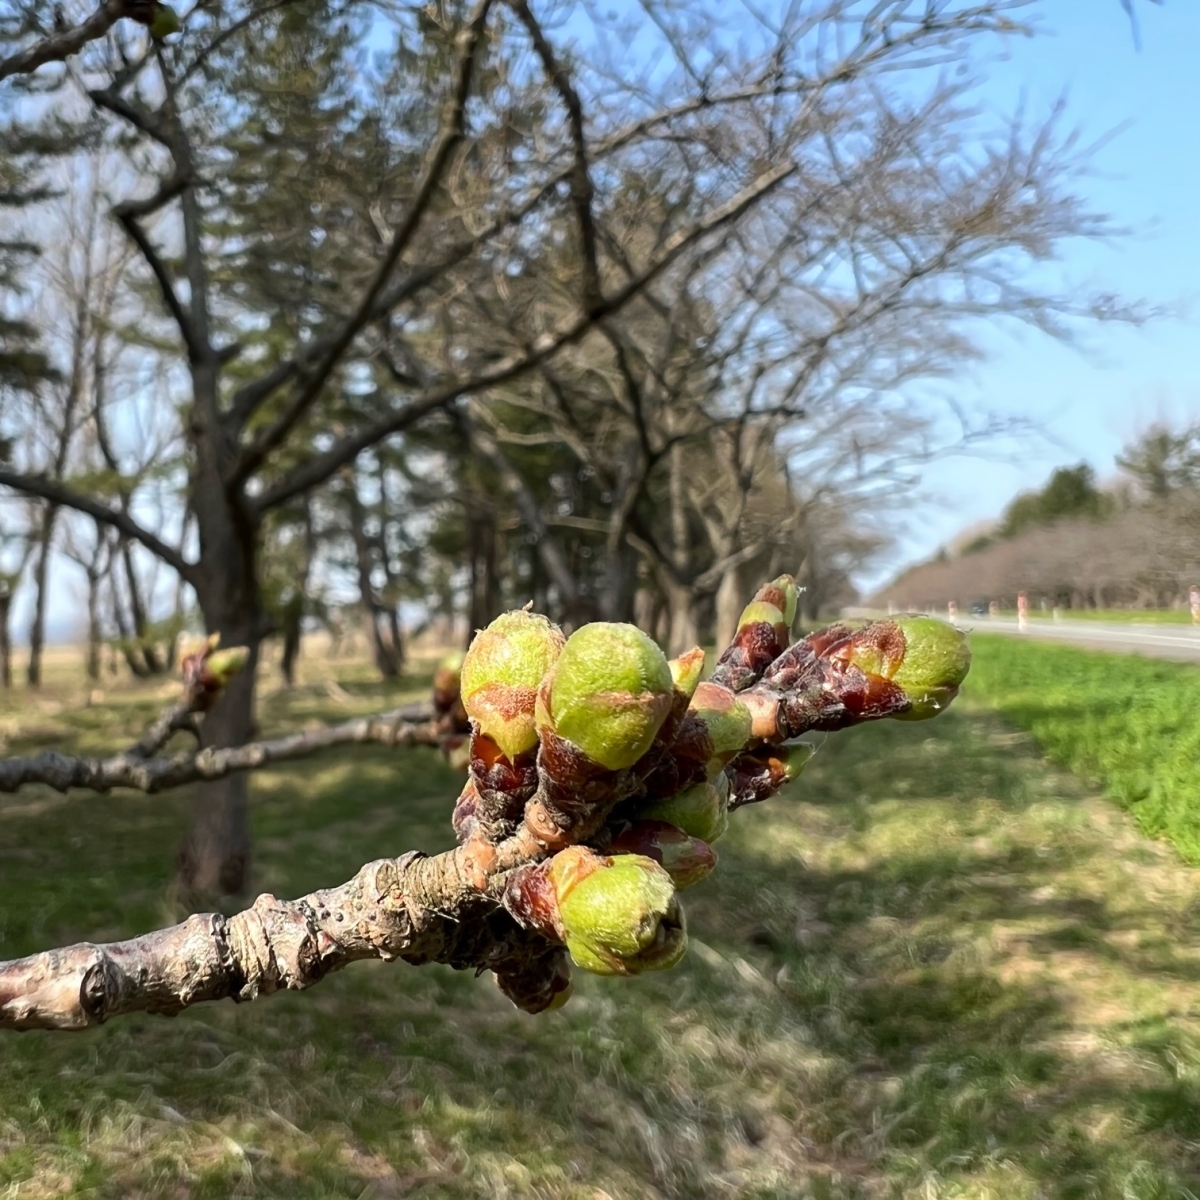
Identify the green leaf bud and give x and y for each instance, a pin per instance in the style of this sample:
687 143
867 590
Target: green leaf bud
726 719
686 671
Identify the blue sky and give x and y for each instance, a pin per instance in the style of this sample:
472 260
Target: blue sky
1091 399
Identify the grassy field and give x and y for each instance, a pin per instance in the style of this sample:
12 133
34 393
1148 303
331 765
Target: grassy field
938 968
1130 724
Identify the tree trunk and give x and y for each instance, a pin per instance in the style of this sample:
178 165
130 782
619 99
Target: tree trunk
485 599
137 609
133 659
682 630
214 859
95 633
5 637
730 602
37 626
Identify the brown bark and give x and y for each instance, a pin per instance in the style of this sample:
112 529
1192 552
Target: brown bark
37 625
5 636
415 908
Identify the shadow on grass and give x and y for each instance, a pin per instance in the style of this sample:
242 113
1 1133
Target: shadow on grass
929 972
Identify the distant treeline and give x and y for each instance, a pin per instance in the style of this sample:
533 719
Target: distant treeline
1074 545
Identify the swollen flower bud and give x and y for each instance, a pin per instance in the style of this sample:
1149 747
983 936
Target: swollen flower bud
617 916
926 658
621 916
164 22
726 721
501 673
936 661
608 694
206 670
685 858
701 810
221 666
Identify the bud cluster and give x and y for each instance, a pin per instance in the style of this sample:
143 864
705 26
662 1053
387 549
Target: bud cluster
601 774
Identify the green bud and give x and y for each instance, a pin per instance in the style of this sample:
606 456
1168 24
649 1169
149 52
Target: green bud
774 604
608 694
501 673
447 681
936 660
164 22
686 671
701 811
685 858
726 719
220 666
618 916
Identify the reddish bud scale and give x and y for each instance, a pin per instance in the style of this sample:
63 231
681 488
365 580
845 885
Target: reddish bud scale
842 676
756 776
576 796
762 635
503 786
682 763
463 818
686 859
822 693
537 986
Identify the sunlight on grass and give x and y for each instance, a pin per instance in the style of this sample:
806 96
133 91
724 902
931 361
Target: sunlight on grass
1131 724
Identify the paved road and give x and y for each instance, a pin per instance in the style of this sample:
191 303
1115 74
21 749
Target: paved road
1180 642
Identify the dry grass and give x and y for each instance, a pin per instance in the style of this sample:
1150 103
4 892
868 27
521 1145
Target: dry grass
937 969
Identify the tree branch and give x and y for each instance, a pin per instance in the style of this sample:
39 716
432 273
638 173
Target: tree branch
60 493
582 191
415 908
314 472
129 215
453 132
132 769
469 907
62 44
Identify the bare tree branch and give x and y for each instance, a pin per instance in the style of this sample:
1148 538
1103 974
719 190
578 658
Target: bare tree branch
408 726
129 214
60 493
453 132
61 44
320 468
582 192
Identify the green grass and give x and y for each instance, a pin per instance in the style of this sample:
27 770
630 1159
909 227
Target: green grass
936 969
1131 724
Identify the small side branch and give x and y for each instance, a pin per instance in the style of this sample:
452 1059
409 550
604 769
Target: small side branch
134 769
130 215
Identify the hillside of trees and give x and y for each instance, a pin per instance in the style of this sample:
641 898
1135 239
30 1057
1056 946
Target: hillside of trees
1072 544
